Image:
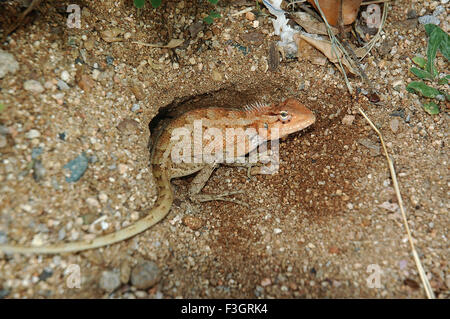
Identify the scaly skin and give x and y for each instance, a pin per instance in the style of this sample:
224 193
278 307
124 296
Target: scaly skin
288 117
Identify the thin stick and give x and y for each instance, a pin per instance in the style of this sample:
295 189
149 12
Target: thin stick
423 276
335 43
21 17
241 12
374 2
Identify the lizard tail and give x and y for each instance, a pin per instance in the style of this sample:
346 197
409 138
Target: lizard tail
157 213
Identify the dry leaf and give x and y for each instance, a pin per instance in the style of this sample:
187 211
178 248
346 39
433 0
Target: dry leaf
324 46
311 24
330 9
305 50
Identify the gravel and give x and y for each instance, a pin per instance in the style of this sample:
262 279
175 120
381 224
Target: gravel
33 86
8 63
109 281
145 275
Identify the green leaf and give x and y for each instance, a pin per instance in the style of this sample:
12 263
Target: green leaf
433 43
213 1
444 47
208 20
139 3
422 88
420 73
2 107
420 61
431 108
155 3
444 80
429 28
214 14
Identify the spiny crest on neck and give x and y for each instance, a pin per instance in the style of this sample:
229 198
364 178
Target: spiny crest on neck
256 107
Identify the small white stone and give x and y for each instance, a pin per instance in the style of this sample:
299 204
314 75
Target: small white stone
92 203
95 74
65 76
256 24
277 230
32 134
33 86
103 198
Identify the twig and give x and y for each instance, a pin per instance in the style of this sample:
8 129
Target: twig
423 276
336 44
241 12
374 2
22 16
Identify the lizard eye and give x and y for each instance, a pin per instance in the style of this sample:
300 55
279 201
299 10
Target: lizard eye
284 116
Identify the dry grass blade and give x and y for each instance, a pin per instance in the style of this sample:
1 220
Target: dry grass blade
423 276
336 45
378 35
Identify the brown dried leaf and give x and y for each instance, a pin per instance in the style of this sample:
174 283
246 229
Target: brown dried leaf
324 46
311 24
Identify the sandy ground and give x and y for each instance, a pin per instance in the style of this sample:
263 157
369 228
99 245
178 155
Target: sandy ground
315 229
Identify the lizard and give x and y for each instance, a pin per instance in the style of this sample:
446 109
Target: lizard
285 118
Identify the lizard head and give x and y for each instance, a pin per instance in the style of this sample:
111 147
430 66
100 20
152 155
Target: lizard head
288 117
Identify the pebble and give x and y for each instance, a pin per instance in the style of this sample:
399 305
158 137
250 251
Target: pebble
95 74
63 86
45 274
394 124
38 170
125 272
277 231
250 16
348 119
61 234
192 222
3 141
136 107
3 238
65 76
4 293
438 11
103 198
266 282
77 168
412 14
8 63
145 275
216 75
92 203
427 19
33 86
32 134
109 281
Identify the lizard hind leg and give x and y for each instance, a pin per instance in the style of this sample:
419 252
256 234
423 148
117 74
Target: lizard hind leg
199 182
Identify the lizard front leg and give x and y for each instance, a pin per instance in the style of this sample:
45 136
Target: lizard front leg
199 182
